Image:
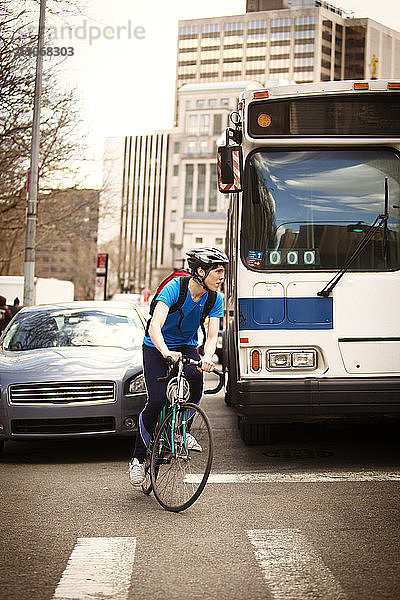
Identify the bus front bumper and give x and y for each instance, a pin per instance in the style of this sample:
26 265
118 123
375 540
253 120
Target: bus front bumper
285 400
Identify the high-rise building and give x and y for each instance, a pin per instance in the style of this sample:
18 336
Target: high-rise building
310 41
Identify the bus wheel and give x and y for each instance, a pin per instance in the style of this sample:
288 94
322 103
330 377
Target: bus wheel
1 446
255 433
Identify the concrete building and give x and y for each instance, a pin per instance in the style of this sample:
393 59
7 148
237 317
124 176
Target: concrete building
67 238
298 40
196 213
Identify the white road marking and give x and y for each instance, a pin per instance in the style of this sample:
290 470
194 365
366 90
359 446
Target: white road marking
98 568
290 477
292 568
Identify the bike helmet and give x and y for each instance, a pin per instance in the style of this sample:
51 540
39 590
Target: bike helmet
207 259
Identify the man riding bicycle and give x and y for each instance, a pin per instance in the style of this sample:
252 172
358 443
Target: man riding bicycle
173 334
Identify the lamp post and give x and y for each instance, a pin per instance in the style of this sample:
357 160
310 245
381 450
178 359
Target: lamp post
31 212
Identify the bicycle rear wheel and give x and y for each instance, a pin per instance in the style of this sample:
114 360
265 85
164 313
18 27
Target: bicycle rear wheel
178 475
146 485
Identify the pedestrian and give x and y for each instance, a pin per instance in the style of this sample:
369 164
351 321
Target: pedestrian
15 307
5 313
173 334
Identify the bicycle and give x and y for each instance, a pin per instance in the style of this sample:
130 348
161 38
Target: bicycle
176 474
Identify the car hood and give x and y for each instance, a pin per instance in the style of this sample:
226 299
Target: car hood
73 363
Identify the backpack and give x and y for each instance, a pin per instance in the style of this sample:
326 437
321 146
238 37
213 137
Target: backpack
185 277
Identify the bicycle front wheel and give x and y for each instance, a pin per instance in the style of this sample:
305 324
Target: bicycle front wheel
178 470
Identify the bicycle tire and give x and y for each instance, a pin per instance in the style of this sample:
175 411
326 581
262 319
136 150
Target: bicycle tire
178 476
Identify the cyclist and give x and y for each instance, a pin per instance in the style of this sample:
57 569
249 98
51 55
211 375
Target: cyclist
167 339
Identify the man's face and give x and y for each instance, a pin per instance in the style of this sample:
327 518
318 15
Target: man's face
215 278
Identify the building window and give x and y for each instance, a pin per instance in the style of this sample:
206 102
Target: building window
304 35
262 24
176 148
188 30
212 102
175 170
279 36
198 240
233 27
307 20
203 147
174 192
210 28
204 124
224 101
191 148
173 215
191 127
189 187
217 124
200 103
187 103
212 196
219 241
280 23
201 187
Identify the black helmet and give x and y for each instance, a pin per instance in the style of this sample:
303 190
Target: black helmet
207 259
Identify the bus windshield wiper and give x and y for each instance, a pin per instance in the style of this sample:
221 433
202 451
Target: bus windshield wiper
381 220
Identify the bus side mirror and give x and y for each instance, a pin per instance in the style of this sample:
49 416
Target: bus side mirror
230 169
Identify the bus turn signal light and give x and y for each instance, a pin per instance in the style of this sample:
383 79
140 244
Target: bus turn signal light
393 85
255 361
362 85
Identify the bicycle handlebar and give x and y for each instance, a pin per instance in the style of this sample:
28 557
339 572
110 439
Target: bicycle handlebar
171 371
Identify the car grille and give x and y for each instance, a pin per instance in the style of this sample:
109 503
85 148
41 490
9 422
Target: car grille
63 426
69 392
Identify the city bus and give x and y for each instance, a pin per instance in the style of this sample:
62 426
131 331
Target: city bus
312 294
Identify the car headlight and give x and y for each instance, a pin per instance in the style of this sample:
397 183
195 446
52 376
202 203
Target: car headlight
137 385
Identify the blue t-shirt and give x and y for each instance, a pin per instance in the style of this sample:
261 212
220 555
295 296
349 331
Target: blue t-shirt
192 312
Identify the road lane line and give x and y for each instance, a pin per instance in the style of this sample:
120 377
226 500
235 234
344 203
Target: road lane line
98 568
292 568
289 477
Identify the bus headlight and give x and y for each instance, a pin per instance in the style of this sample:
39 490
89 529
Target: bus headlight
279 360
292 359
304 359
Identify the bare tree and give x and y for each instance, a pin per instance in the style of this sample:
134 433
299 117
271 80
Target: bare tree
61 135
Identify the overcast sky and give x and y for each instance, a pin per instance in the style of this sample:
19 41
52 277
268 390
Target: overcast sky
126 85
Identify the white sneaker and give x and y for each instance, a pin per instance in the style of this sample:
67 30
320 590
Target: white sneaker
192 443
136 471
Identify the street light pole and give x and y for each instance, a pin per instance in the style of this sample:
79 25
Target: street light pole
31 212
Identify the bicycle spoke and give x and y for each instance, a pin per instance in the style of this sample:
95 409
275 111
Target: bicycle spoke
171 484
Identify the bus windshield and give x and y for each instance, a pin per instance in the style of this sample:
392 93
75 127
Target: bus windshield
308 209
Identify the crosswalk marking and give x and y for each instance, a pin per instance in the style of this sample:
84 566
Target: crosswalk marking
292 568
296 477
98 567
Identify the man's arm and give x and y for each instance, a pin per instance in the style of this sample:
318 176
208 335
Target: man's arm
157 322
210 344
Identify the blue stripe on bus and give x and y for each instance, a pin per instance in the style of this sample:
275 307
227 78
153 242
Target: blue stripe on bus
286 313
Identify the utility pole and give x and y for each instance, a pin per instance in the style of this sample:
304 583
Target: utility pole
31 212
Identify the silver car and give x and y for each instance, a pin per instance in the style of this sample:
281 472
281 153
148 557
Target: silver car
71 370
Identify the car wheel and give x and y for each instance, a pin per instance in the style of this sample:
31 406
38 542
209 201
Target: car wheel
254 434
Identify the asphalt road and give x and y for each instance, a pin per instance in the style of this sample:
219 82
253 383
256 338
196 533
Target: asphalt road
315 515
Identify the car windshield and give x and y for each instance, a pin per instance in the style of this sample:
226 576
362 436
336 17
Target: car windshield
74 328
309 209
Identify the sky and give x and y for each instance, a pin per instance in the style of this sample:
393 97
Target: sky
124 59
